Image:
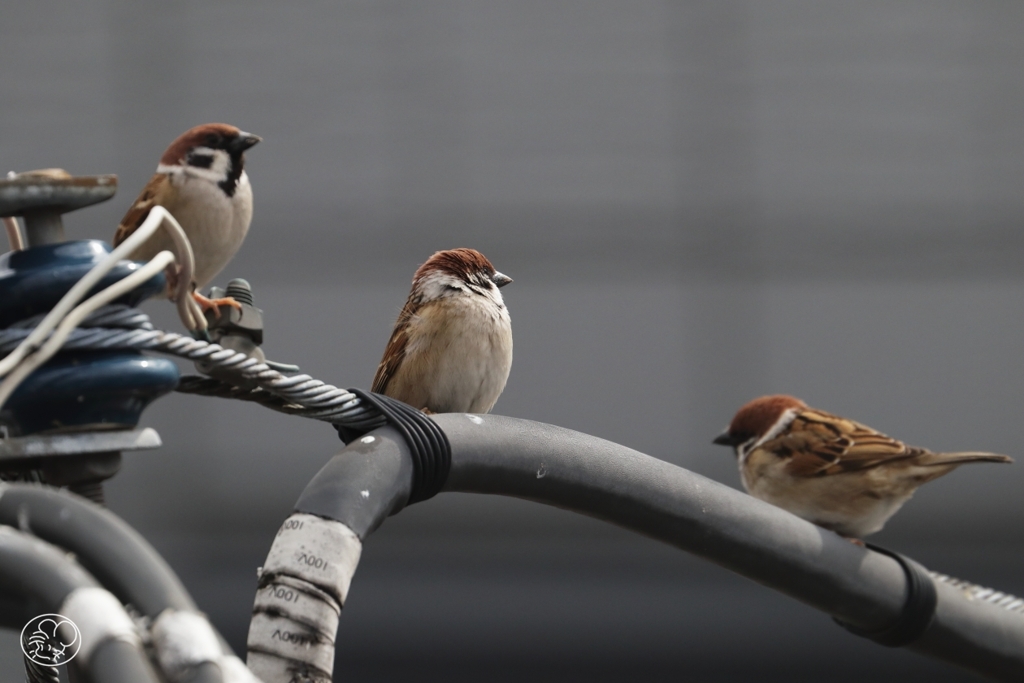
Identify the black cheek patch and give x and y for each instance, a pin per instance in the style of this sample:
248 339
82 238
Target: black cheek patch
200 160
230 184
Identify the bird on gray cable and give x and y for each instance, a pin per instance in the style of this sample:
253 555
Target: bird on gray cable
451 348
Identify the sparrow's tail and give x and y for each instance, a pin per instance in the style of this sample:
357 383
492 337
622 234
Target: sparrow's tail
961 458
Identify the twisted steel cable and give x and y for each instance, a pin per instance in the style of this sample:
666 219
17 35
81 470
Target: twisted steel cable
39 673
114 315
122 327
973 591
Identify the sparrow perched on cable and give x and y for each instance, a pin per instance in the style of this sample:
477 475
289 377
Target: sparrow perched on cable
451 349
201 181
828 470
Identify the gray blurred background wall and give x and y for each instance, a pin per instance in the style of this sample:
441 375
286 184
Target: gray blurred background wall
699 202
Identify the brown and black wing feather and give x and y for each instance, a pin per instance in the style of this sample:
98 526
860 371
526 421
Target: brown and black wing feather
395 350
819 443
155 193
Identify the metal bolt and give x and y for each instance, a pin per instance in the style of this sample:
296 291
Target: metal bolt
240 290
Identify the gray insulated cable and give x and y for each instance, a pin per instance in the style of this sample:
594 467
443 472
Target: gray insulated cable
125 564
38 574
120 559
315 554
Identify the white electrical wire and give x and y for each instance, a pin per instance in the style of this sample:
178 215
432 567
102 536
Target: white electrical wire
76 316
188 309
13 233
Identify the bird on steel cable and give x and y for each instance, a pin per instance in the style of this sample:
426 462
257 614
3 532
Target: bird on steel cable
451 348
829 470
201 181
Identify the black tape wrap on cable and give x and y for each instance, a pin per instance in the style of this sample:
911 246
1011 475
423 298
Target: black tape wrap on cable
918 610
428 444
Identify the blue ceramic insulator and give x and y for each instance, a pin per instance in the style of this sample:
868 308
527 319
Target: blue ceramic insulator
79 390
87 390
33 281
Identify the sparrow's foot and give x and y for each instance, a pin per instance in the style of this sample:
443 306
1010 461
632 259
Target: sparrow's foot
426 411
215 304
855 541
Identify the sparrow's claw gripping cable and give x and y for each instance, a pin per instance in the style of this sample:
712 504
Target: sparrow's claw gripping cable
207 304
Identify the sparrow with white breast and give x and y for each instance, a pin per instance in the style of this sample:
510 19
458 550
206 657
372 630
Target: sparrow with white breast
451 348
201 181
828 470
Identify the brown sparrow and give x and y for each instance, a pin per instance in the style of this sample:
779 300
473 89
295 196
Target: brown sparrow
451 349
201 181
829 470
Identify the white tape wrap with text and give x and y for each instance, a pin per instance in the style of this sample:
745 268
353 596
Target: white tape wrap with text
305 581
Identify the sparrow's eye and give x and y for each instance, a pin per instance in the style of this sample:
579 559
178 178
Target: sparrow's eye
212 140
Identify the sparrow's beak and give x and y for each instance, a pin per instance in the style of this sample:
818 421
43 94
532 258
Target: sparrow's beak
500 280
243 142
726 439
